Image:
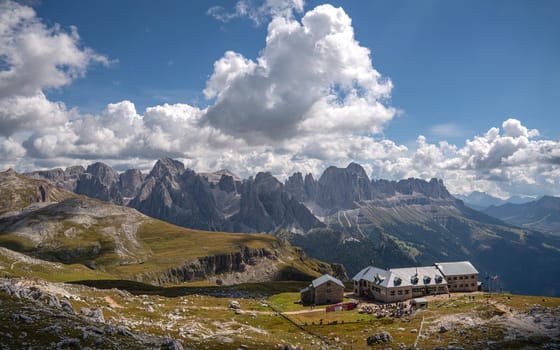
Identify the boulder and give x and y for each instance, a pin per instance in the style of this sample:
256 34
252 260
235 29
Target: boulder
381 337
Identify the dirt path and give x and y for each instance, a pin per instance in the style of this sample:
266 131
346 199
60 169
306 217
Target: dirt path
224 308
299 312
112 302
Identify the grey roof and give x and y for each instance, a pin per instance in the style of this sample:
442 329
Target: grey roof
326 278
456 268
402 277
371 274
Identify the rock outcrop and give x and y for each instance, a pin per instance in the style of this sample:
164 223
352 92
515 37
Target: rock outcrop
266 207
246 265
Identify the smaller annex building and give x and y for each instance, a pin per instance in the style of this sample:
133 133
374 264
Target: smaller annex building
323 290
461 276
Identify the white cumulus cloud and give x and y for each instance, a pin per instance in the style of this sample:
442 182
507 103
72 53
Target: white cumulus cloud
312 98
311 76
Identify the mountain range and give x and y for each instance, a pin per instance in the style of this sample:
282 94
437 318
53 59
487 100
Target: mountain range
482 200
78 237
542 215
343 217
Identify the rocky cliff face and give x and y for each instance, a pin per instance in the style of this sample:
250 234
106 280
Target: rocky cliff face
343 188
221 201
266 207
67 179
246 265
179 196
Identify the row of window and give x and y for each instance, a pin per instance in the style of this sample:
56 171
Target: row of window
461 285
464 277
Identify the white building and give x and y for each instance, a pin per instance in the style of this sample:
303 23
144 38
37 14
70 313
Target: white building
410 282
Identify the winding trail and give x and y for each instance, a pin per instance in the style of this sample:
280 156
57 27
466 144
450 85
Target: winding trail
419 332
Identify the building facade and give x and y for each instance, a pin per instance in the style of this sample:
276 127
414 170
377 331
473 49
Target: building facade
461 276
323 290
411 282
399 284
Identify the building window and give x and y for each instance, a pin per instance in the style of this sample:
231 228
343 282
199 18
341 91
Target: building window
392 292
406 291
455 278
399 292
472 284
460 277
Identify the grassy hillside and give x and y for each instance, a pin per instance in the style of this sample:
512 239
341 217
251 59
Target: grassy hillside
269 316
18 192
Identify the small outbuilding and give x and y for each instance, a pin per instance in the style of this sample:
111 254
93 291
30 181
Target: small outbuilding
419 302
323 290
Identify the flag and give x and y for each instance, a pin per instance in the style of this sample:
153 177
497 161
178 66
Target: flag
495 278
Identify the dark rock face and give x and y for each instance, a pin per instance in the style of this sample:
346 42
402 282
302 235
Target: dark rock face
206 266
266 207
178 196
219 201
295 186
227 184
100 181
342 188
104 173
185 198
130 182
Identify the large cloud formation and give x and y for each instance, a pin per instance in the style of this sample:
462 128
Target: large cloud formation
312 98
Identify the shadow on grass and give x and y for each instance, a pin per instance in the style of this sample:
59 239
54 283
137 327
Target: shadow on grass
245 290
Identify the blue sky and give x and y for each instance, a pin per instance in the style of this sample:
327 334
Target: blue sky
470 64
461 90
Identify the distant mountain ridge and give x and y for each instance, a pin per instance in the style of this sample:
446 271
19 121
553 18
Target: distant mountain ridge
482 200
343 217
542 215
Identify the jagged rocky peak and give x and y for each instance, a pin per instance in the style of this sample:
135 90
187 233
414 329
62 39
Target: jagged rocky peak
311 186
74 171
54 175
216 176
383 188
265 182
62 178
104 173
357 169
295 186
167 166
302 189
227 184
341 188
433 189
130 182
